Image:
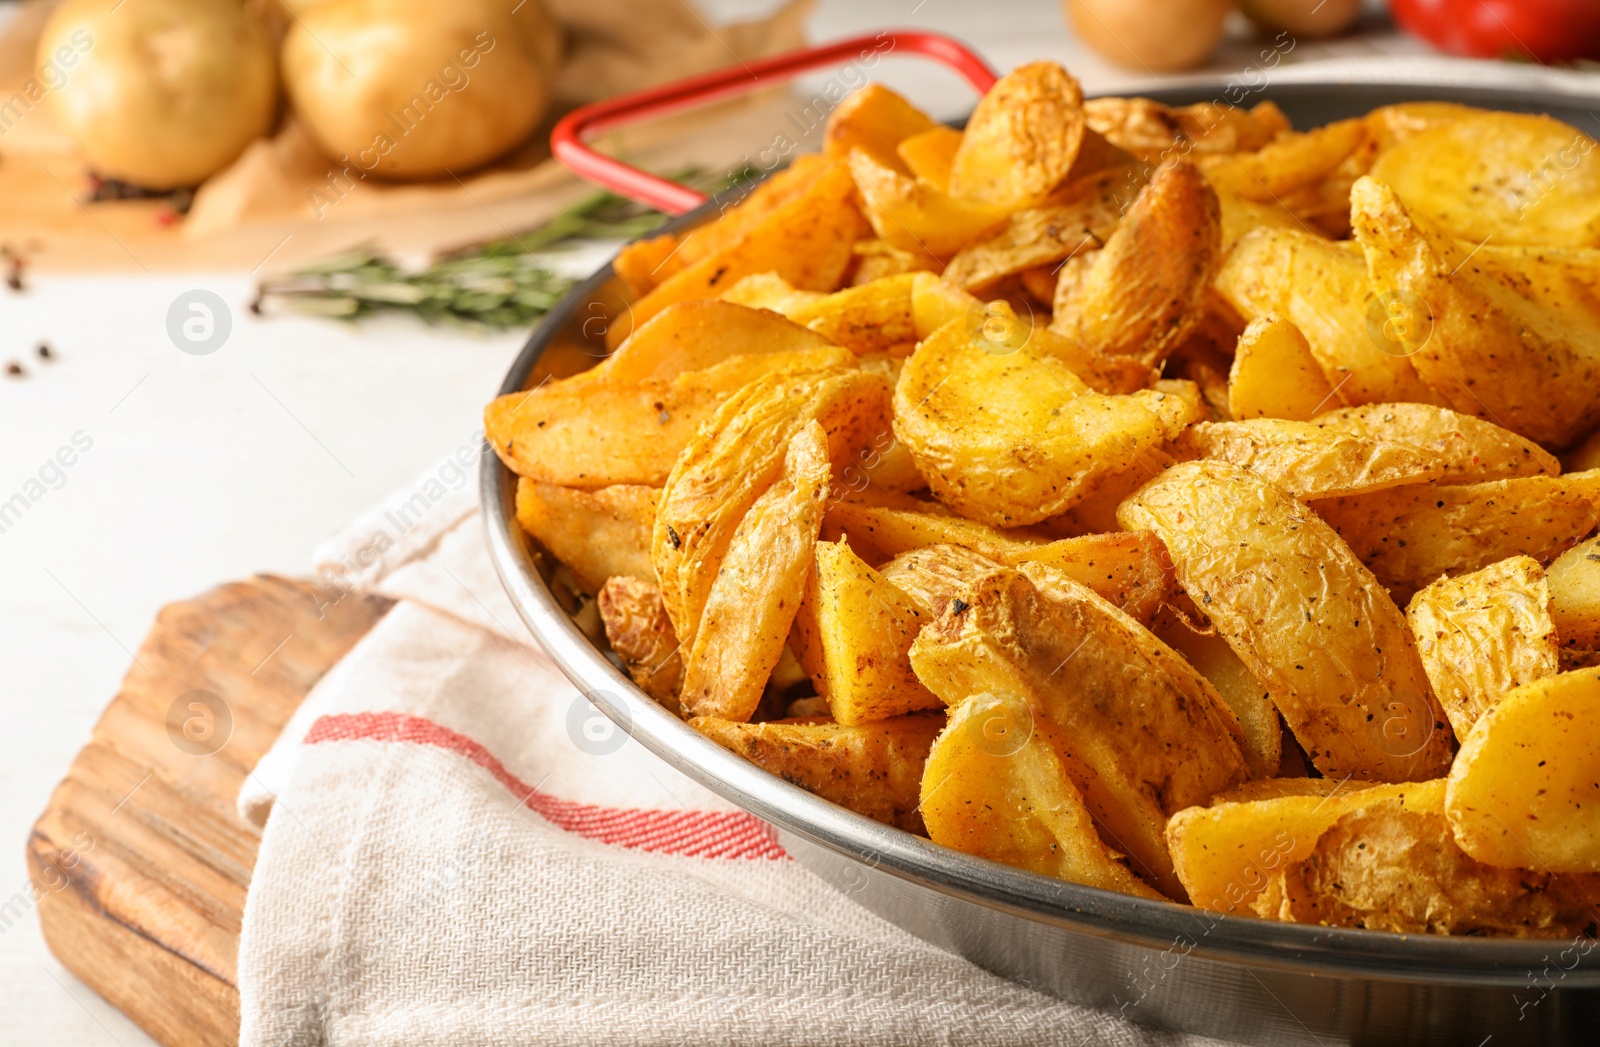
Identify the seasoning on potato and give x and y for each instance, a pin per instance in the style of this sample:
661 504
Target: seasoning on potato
1053 489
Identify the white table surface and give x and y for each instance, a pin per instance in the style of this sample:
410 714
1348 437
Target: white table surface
205 469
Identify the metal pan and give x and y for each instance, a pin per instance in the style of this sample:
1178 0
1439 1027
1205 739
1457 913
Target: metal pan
1168 965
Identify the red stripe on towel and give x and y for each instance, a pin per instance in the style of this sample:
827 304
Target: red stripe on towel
693 834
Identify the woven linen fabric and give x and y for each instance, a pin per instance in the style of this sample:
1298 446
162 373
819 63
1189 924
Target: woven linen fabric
461 851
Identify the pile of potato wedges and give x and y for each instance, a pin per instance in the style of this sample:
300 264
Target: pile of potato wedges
1165 500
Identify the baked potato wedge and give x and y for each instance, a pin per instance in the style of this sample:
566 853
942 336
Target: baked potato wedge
1574 583
808 240
640 633
875 120
916 217
692 336
1144 734
1508 334
1143 292
597 534
1014 438
1509 178
874 770
1210 654
1021 138
583 432
1522 791
1390 867
1155 132
995 787
1228 853
930 154
1304 615
852 635
1482 634
1274 374
1322 288
752 600
1409 536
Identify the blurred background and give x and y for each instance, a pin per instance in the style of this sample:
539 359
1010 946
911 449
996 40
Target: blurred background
264 264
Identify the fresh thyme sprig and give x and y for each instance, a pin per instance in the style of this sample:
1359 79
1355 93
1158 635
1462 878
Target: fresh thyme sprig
501 284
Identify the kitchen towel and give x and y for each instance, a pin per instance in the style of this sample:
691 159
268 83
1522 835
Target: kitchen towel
461 850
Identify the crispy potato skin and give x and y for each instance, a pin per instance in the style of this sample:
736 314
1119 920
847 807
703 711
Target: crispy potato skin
737 456
583 432
752 600
1155 132
1390 868
1310 459
1321 288
638 630
1021 138
1012 438
597 534
874 769
1228 853
915 216
994 787
1522 792
1409 536
1143 292
1303 614
855 628
1509 334
1484 633
1144 733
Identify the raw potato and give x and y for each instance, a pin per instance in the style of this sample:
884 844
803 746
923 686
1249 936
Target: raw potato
808 240
640 633
1152 36
1021 139
1275 375
1409 536
1322 289
1574 579
1250 702
1482 634
751 603
1308 620
409 89
874 770
1142 293
1509 334
854 629
1509 178
1144 734
589 433
164 93
1227 853
1016 437
597 534
1392 868
994 787
876 120
1522 791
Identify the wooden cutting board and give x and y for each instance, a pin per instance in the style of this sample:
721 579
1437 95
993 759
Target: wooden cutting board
140 856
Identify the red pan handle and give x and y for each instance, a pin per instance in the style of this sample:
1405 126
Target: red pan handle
568 139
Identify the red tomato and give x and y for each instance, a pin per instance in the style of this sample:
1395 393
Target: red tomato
1544 30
